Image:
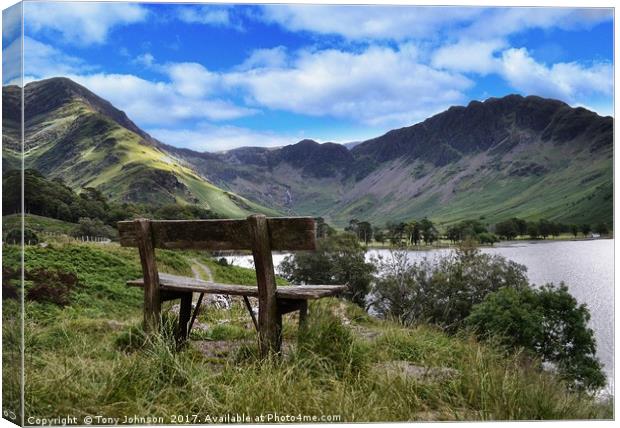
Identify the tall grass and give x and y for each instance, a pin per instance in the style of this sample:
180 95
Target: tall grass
91 358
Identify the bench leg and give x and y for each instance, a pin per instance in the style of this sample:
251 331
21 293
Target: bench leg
185 313
249 308
303 314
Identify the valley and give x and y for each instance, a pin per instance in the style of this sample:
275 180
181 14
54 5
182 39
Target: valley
514 156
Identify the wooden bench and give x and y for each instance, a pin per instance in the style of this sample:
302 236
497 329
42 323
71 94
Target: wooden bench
257 233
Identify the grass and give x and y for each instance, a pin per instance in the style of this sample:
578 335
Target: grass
114 160
89 358
37 223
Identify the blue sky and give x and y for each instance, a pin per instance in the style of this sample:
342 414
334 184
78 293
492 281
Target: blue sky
215 77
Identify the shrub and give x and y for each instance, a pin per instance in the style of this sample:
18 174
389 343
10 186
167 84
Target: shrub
442 293
50 286
339 259
547 321
14 236
93 227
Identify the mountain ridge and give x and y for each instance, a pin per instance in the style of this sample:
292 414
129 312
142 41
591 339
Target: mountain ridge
510 156
73 134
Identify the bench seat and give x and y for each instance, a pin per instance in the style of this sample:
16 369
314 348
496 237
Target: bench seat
176 283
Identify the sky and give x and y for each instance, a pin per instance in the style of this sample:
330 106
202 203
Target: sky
215 77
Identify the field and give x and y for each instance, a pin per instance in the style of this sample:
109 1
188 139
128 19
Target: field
88 357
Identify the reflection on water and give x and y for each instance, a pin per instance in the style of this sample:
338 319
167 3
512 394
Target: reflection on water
586 267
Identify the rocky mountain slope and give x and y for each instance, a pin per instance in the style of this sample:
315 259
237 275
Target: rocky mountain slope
513 156
73 134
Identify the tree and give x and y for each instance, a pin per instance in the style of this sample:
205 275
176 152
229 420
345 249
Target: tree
14 236
544 228
585 229
395 232
487 238
548 322
428 231
507 229
441 293
323 229
532 230
93 227
521 226
379 235
601 229
574 229
339 259
364 231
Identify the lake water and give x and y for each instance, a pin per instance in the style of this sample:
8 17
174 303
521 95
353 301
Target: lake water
587 268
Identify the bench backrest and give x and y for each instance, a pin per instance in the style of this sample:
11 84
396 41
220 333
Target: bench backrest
285 234
258 233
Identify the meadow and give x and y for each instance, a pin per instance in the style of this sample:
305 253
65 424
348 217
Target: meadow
87 356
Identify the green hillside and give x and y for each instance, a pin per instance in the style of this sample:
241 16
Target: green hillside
86 142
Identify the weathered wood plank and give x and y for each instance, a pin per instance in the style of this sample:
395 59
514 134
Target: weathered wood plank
285 234
269 318
152 302
172 283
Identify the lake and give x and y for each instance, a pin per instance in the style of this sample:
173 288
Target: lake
587 268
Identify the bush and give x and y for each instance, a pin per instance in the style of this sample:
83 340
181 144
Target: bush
339 259
51 286
442 293
547 321
93 227
14 236
487 238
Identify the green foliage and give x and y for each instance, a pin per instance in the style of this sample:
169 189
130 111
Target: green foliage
54 199
14 236
325 344
92 358
339 259
185 212
510 229
441 293
470 229
93 227
601 229
547 321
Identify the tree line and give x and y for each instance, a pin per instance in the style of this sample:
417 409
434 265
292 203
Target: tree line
90 210
543 228
425 231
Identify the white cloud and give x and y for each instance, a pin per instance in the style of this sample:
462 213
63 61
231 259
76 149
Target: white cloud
80 23
219 16
265 58
407 22
500 22
156 103
368 21
146 59
376 86
568 81
45 60
191 79
207 137
11 23
469 56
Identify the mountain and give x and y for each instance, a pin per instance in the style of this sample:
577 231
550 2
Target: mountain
513 156
529 157
74 134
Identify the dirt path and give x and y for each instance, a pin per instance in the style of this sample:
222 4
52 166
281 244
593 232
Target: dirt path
206 272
